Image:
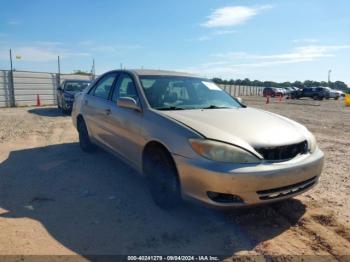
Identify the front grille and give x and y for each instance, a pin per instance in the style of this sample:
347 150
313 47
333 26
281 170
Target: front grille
286 190
283 152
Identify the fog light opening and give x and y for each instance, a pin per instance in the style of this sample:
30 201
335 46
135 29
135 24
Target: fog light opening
224 198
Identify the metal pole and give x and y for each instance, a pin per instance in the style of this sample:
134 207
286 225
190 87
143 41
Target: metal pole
59 65
59 71
11 60
58 78
11 84
329 77
93 69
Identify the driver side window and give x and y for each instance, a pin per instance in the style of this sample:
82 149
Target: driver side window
103 87
125 88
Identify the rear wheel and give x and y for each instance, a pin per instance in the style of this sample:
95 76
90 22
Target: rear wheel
162 177
84 139
316 97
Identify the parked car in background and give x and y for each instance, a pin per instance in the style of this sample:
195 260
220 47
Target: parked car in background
341 93
269 91
66 92
295 93
287 90
193 140
332 93
316 93
280 92
272 92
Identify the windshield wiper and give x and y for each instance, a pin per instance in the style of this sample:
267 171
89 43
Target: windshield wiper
215 107
170 108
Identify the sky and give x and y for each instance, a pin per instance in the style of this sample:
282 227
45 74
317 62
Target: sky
283 40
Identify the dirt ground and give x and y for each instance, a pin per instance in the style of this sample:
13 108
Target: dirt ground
55 199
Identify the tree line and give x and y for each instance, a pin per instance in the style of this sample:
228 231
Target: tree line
307 83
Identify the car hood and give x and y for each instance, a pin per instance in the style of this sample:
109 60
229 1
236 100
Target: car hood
246 127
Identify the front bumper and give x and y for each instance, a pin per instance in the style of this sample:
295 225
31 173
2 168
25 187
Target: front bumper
254 184
68 105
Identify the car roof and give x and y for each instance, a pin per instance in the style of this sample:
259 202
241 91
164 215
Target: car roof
76 80
151 72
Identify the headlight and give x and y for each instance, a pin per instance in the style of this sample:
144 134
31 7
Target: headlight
69 98
222 152
312 143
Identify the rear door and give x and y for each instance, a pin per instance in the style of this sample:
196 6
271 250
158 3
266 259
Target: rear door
97 107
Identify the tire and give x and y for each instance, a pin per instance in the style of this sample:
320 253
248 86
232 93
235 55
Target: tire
315 97
65 111
84 139
162 178
336 98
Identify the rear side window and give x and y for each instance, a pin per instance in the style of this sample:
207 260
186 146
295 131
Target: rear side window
104 86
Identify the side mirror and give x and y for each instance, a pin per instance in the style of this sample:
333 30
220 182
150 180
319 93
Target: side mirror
128 102
59 88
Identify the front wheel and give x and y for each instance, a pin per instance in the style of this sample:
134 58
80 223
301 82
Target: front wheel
58 103
84 139
162 178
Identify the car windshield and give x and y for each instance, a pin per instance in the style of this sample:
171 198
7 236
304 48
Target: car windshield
179 93
76 85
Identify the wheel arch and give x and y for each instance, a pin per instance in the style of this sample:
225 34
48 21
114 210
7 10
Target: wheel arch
156 144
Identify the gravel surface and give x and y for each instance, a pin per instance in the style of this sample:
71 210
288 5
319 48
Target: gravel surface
55 199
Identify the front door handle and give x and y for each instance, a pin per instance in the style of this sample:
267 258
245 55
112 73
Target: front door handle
108 112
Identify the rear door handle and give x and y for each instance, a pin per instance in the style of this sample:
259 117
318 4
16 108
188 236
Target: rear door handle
108 111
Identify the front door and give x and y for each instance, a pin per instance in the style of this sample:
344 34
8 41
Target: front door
97 106
125 124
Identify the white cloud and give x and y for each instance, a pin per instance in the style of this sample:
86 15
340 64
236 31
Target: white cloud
13 22
211 36
200 38
113 49
42 51
91 46
232 15
233 63
305 40
225 32
299 54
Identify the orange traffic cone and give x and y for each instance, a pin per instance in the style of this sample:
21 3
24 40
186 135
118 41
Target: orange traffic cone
267 99
38 103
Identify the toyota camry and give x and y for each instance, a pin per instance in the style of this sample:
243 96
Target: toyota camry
192 140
